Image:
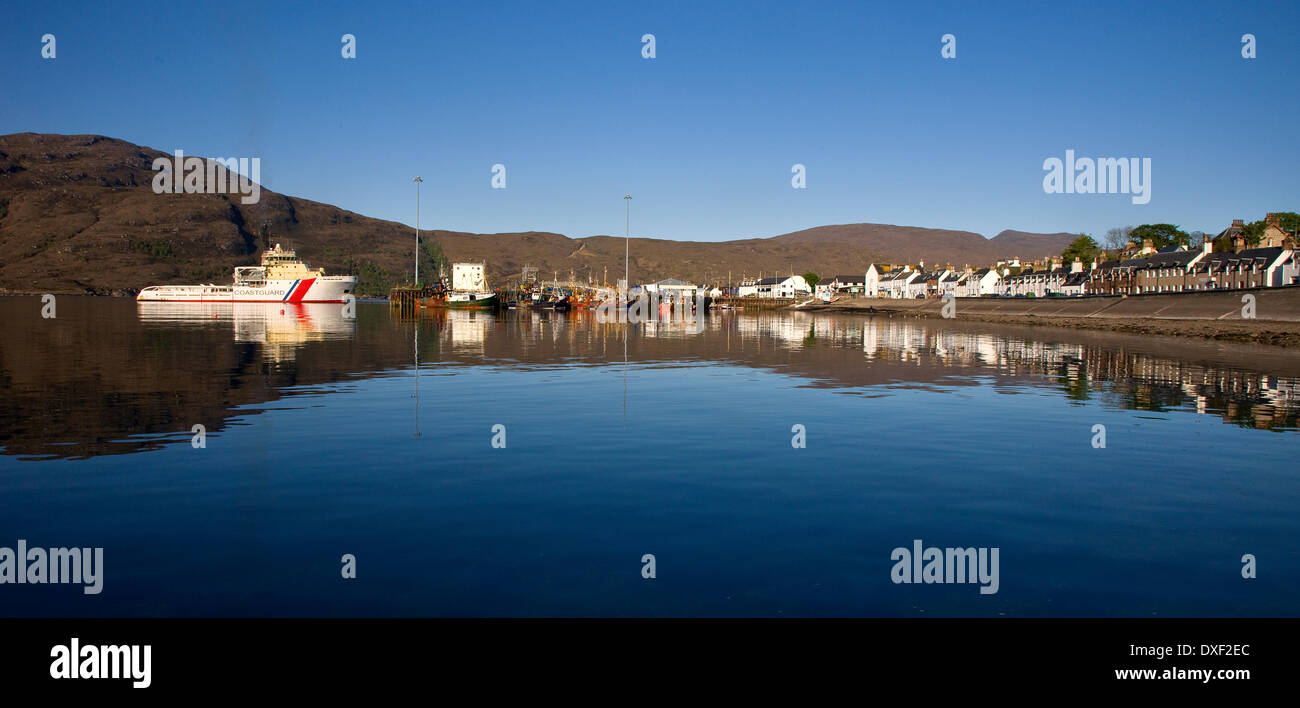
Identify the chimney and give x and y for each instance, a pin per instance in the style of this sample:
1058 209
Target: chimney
1208 248
1094 264
1147 245
1272 220
1238 223
1077 266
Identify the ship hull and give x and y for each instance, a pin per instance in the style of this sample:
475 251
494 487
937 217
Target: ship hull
468 301
324 289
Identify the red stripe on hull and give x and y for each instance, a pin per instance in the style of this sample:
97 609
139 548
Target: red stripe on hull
301 291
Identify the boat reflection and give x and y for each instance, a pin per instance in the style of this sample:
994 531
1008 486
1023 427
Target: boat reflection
282 329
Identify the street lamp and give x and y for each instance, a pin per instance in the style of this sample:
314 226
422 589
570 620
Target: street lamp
417 181
627 240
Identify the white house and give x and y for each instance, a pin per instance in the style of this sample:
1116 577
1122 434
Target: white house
981 282
871 283
953 283
921 285
783 286
895 283
747 288
672 289
848 284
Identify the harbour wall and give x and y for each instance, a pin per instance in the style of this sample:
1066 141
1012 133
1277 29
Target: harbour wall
1276 304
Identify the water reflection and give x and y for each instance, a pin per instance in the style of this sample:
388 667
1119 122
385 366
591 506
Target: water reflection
111 376
281 328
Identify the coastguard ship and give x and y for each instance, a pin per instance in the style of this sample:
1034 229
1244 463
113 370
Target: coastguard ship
280 278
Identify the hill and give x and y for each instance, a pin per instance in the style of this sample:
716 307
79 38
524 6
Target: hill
78 215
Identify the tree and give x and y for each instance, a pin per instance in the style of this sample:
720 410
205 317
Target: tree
812 279
1117 238
1161 235
1254 231
1083 248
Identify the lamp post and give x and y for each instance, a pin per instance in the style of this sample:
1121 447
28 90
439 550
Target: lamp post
417 182
627 249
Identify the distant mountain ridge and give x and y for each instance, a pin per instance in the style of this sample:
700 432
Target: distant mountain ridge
78 214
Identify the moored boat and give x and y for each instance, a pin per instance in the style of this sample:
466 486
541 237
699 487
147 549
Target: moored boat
281 277
469 299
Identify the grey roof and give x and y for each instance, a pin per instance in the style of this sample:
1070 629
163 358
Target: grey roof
1229 232
1172 259
1259 255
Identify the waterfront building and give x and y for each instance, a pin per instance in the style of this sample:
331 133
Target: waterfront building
896 282
787 286
871 281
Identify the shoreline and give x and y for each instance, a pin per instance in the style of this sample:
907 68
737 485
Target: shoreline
1212 315
1099 314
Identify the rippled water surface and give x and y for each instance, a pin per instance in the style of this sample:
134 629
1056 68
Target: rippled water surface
324 438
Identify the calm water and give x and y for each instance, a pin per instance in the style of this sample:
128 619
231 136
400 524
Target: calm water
323 441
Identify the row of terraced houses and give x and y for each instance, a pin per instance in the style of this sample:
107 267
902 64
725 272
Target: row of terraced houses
1273 262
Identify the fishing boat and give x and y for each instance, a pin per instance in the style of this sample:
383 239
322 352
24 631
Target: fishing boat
468 289
469 299
281 277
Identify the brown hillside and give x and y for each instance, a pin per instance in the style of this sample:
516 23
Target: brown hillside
78 214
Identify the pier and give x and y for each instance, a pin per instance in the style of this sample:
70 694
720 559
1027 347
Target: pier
407 297
756 303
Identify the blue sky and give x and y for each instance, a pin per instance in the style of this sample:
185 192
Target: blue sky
704 135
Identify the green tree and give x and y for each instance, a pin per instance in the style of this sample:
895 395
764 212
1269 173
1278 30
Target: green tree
1161 235
812 279
1254 231
1084 248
